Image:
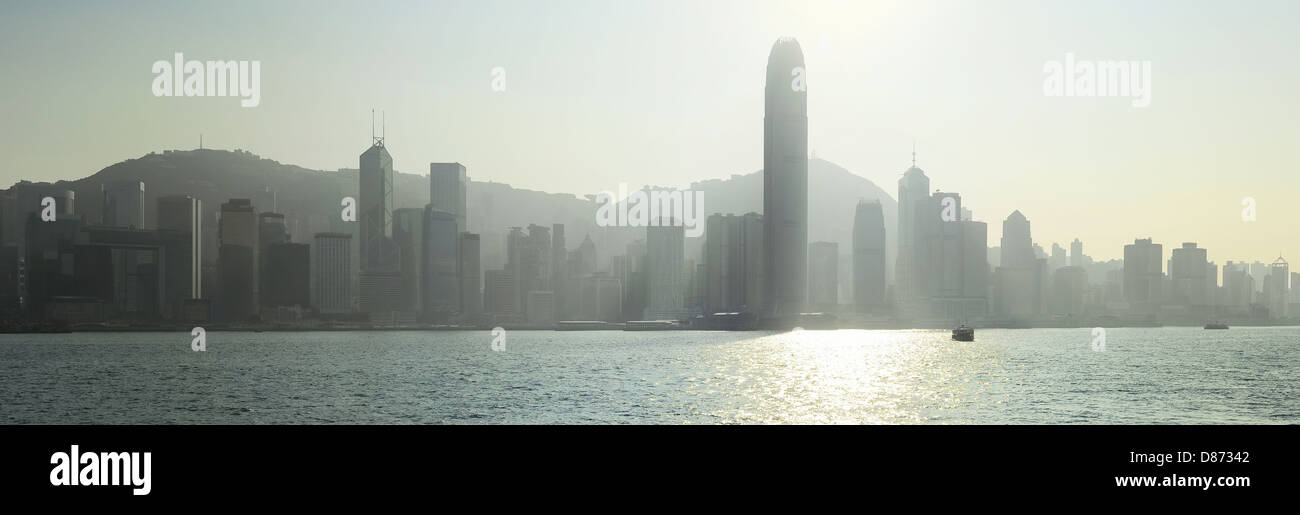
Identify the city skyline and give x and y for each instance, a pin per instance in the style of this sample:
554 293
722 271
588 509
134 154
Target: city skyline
973 105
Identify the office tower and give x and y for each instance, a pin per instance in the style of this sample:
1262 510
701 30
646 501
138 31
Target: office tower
408 235
630 270
180 225
785 180
1019 276
1238 290
975 269
288 275
559 271
1188 268
913 210
471 294
237 261
332 273
442 260
49 260
1076 253
123 204
447 191
665 258
271 230
528 259
869 285
501 295
1276 288
823 275
733 264
378 254
1143 274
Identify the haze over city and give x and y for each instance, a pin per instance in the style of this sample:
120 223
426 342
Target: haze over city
667 93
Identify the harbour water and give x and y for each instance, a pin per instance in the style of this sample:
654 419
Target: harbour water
1169 375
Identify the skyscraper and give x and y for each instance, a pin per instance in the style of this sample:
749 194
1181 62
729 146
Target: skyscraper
913 206
332 273
238 261
447 191
868 256
1020 278
180 224
408 235
376 209
666 285
442 261
471 293
1143 274
123 204
733 264
1188 267
785 180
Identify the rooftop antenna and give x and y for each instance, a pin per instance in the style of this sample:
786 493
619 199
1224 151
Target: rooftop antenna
913 153
200 141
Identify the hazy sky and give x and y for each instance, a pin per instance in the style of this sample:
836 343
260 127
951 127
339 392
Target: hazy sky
667 92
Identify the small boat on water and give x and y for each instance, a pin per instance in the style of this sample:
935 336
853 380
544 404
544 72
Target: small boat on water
1216 325
963 333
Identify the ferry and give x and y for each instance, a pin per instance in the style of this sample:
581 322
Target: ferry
1216 325
963 333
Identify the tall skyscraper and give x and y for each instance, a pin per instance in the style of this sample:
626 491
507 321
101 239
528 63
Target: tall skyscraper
1188 267
237 261
823 275
1143 274
408 235
332 273
378 254
471 293
869 285
448 186
180 224
733 264
442 261
785 180
123 204
1276 289
666 285
1020 277
913 211
1076 253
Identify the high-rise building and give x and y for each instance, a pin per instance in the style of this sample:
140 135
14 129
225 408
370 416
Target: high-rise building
1276 289
180 224
869 285
1188 267
123 204
501 295
1076 253
666 286
1143 274
288 275
24 201
448 187
560 272
378 254
1019 278
785 181
823 275
733 264
471 293
332 273
408 235
442 261
237 261
913 211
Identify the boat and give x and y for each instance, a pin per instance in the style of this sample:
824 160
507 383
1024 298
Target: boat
1216 325
963 333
